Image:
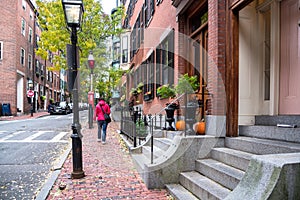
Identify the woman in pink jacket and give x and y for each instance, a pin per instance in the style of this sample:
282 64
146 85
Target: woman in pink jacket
102 124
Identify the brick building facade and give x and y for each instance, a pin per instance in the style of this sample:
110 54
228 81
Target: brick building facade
19 65
242 73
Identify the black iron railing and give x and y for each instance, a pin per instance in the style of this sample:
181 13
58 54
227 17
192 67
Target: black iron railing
138 127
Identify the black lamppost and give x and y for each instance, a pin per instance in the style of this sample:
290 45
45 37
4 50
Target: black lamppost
31 89
73 10
91 62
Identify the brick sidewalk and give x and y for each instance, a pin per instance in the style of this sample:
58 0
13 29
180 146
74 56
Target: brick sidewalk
25 116
109 170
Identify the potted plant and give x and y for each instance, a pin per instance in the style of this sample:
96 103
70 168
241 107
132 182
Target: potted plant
148 96
141 130
165 91
187 84
139 87
138 90
133 92
43 98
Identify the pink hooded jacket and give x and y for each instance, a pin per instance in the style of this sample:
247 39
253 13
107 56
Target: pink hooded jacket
99 114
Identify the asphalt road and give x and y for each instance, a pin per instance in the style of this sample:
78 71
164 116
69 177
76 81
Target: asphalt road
28 151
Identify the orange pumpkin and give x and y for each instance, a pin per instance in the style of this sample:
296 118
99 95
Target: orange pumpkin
199 128
180 125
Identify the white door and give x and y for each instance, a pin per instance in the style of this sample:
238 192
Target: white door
249 65
20 97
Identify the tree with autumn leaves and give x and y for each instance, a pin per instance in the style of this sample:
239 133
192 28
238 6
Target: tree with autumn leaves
96 27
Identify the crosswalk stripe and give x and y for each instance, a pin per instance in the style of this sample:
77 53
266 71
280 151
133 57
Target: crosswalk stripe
2 132
58 137
11 135
35 135
31 138
34 141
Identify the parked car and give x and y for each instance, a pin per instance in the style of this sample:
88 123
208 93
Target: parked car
61 107
71 107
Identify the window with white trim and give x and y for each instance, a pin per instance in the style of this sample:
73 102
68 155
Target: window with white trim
23 25
24 4
125 49
30 35
1 50
22 57
158 1
29 61
31 14
165 61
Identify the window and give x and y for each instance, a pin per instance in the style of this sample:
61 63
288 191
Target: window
29 61
133 42
125 49
50 56
1 50
137 35
149 11
149 78
31 14
158 1
23 26
22 57
30 35
41 90
37 67
165 61
24 4
267 54
47 74
51 76
37 39
42 70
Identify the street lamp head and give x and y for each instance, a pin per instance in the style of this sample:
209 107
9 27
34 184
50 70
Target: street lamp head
73 10
30 84
91 61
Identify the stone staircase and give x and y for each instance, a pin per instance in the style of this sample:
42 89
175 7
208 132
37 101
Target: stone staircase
216 176
162 141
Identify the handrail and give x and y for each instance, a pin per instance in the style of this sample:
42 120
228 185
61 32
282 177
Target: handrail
151 124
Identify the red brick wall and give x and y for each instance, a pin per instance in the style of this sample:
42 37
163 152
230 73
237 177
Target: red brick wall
216 52
164 19
8 65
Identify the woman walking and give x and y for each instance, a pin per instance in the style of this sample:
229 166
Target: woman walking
101 108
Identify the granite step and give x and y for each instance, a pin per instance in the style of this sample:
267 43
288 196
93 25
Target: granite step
271 132
162 143
157 152
279 119
179 192
261 146
219 172
202 187
234 158
140 160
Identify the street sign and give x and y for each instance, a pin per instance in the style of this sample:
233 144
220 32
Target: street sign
30 93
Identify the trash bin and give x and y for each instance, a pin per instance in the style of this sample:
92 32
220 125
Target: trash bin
6 109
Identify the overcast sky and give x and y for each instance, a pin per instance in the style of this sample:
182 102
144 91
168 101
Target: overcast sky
108 5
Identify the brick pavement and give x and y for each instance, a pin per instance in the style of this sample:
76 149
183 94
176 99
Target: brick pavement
25 116
109 172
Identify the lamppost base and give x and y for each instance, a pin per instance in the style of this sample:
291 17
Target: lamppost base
77 153
77 175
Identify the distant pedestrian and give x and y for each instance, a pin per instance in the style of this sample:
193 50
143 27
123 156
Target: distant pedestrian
101 107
